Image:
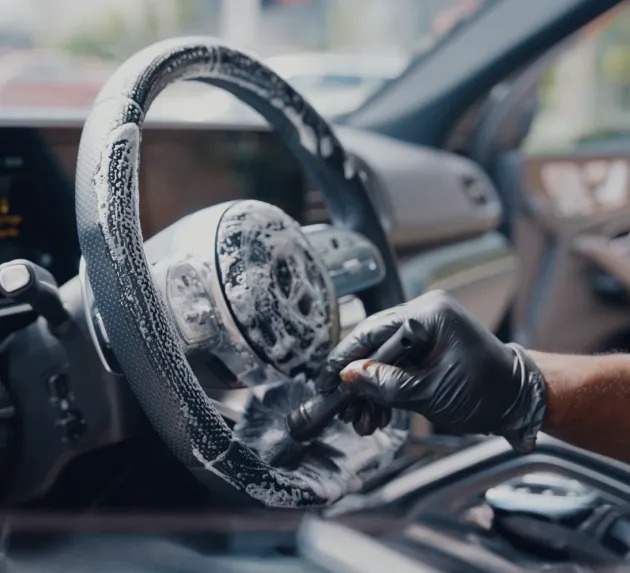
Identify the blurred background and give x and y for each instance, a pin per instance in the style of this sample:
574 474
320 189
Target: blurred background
336 52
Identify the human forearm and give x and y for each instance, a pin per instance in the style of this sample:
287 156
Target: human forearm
588 400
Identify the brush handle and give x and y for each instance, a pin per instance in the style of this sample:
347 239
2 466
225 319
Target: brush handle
310 418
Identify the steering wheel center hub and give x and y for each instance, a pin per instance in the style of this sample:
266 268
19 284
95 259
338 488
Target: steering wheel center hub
276 286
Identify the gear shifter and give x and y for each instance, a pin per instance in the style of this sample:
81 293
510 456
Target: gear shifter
26 282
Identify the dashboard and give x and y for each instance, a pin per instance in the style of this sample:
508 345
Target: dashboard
427 199
182 171
36 204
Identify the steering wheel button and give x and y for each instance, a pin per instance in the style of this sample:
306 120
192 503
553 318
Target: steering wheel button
14 277
58 386
191 305
353 265
73 425
98 320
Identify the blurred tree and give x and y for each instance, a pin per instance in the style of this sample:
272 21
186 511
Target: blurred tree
116 29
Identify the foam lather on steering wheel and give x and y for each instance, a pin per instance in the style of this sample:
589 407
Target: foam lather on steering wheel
277 290
141 333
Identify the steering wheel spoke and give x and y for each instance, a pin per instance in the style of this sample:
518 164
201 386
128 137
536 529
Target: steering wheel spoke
352 260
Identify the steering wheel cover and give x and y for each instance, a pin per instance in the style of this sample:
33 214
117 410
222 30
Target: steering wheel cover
142 336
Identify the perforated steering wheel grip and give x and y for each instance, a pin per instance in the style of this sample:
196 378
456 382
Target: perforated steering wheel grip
142 336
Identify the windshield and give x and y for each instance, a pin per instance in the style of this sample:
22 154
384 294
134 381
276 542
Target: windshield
336 52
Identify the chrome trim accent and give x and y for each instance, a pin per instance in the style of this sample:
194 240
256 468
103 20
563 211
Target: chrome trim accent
88 304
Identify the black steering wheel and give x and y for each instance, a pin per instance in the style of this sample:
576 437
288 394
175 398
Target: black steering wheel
140 323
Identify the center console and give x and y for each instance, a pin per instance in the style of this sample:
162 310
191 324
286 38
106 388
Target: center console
482 508
487 509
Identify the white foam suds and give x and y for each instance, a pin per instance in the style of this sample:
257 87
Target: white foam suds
275 286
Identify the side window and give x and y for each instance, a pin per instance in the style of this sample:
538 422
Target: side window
584 95
578 146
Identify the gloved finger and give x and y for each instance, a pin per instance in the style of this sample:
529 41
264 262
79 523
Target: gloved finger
374 380
365 339
362 407
372 332
375 417
359 424
351 412
368 421
380 416
385 417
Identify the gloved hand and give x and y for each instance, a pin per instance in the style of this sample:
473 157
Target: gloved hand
464 379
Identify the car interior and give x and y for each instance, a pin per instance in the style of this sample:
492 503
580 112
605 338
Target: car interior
171 284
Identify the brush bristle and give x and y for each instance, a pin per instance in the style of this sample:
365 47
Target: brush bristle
263 426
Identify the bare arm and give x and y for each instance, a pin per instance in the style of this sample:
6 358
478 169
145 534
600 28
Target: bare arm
588 401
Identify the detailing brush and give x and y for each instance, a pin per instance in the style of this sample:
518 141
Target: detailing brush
310 418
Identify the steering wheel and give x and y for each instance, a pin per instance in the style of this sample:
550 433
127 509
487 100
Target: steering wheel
213 263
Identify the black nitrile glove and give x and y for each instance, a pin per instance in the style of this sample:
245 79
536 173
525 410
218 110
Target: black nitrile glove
463 379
